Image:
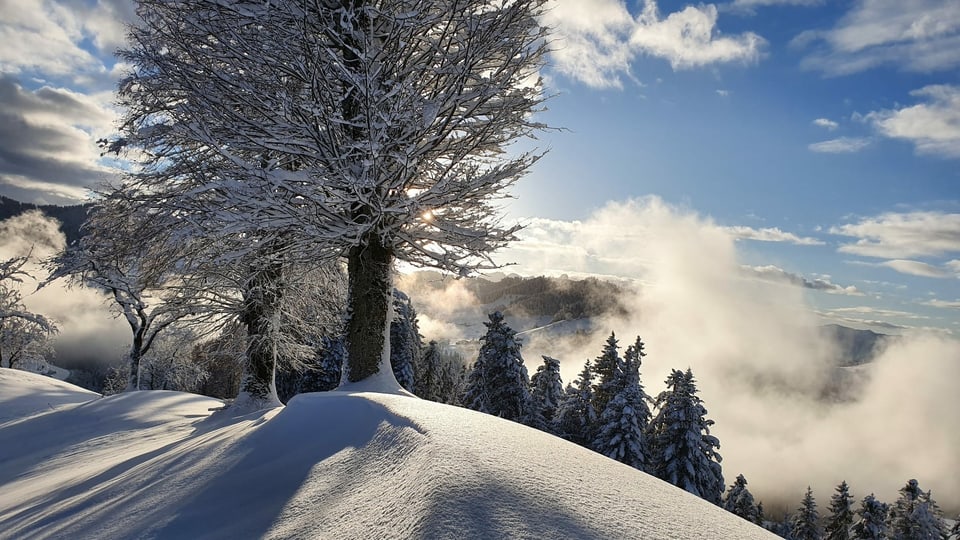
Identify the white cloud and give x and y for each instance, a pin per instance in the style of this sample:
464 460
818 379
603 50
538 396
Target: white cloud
843 145
750 6
770 234
933 127
48 36
920 35
830 125
777 274
596 40
946 304
723 93
903 235
916 268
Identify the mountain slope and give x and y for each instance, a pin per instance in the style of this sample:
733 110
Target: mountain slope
332 465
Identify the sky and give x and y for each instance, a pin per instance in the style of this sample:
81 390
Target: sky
822 137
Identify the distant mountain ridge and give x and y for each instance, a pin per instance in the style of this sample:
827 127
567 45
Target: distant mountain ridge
71 217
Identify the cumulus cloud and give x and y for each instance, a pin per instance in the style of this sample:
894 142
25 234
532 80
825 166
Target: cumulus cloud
771 234
47 140
903 235
933 126
52 37
826 123
777 274
922 35
842 145
596 40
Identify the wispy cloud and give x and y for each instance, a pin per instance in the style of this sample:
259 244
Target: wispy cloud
946 304
843 145
922 35
749 7
933 126
777 274
597 40
771 234
826 123
917 268
903 235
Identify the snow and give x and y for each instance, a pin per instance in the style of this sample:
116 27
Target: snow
157 464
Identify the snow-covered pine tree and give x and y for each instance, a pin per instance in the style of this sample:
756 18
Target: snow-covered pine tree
738 500
915 515
605 369
499 384
761 516
682 450
871 521
840 520
806 522
621 433
547 389
406 344
576 419
429 373
374 131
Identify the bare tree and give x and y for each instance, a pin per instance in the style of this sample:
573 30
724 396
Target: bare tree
24 335
374 131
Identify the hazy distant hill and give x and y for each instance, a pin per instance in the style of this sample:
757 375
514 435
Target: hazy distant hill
855 347
70 217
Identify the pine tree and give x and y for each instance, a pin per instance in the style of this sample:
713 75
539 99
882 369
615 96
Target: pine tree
738 500
761 518
683 451
406 344
871 524
622 424
499 384
429 373
606 367
576 419
915 515
547 388
805 522
841 514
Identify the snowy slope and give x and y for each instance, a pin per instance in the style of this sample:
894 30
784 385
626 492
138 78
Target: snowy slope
334 465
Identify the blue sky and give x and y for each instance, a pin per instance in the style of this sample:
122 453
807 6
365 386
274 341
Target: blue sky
823 136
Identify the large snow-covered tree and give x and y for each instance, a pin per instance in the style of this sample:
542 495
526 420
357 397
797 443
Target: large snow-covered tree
547 389
840 519
806 522
871 521
739 501
623 423
683 452
606 368
375 131
576 419
499 384
915 515
114 257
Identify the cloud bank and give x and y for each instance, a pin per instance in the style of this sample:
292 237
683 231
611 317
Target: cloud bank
761 361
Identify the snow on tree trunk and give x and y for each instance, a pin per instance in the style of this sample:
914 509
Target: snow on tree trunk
261 314
369 303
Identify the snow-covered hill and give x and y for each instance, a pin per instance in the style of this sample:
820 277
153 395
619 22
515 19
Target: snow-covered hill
335 465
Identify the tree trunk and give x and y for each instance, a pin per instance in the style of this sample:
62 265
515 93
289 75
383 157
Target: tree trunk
133 383
260 315
368 302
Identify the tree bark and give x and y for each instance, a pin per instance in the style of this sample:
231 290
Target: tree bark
260 313
368 301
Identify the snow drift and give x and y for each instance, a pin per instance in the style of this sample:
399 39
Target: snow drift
334 465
